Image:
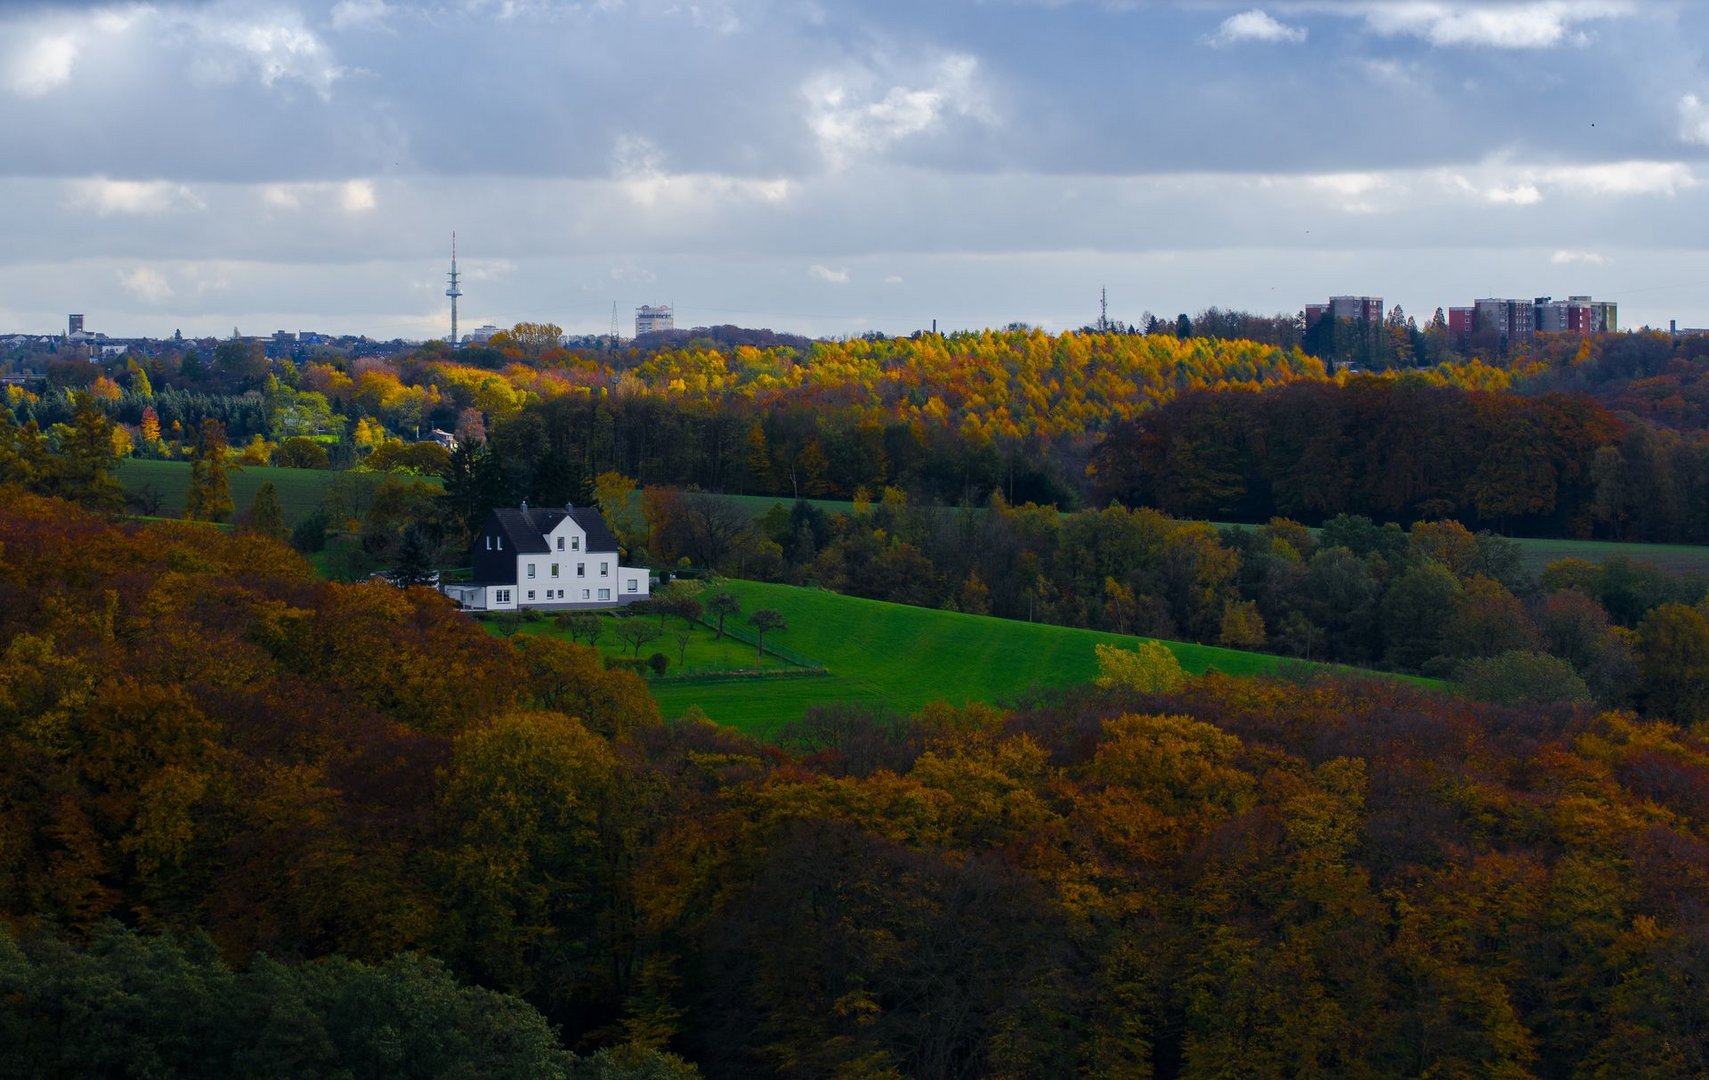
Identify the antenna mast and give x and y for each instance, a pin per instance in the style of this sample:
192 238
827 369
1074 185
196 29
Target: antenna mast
453 292
1103 310
614 337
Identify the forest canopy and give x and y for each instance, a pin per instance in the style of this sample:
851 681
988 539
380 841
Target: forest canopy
1210 876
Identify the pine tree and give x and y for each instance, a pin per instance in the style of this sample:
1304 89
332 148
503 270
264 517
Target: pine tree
265 516
209 498
87 470
416 552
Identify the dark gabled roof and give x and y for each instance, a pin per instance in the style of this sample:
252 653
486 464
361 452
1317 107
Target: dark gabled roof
599 535
545 520
526 529
524 538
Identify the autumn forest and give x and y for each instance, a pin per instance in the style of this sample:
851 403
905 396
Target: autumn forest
260 816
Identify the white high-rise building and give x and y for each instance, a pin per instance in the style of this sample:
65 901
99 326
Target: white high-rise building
651 318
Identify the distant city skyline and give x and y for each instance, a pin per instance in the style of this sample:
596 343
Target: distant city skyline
832 169
650 318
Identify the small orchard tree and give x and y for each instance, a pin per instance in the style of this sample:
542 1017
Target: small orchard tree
686 607
583 626
683 637
1151 668
720 605
636 632
763 621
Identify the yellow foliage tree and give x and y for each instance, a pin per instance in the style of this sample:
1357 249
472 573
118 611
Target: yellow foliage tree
1242 625
1151 668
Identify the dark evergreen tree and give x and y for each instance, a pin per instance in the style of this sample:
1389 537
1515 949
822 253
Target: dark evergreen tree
265 515
417 554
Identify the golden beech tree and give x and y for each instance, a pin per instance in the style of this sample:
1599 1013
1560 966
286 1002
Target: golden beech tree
523 806
1150 668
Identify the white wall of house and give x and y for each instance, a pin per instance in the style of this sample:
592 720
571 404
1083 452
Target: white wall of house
566 575
567 538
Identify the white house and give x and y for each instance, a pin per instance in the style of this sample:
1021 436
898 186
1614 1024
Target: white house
557 560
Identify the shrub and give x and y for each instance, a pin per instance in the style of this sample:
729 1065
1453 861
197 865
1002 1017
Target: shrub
658 662
299 452
1150 669
1521 678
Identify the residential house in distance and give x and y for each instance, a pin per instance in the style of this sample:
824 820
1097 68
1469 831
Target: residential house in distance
555 560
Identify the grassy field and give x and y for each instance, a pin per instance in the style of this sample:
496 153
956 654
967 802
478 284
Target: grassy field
758 505
903 657
1676 558
705 656
300 490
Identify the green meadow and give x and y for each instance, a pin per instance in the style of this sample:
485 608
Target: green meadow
1675 558
300 490
705 655
902 657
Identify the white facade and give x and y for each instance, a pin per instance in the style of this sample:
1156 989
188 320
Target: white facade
548 559
650 318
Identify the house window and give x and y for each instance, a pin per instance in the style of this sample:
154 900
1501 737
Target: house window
530 569
530 594
501 596
560 543
581 569
498 542
604 569
605 594
575 543
584 594
554 569
633 583
489 543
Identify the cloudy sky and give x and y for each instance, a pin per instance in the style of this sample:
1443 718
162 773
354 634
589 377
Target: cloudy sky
834 167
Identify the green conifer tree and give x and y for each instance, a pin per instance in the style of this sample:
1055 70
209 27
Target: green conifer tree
265 515
209 498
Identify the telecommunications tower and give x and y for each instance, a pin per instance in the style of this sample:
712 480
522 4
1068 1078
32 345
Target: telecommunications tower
453 292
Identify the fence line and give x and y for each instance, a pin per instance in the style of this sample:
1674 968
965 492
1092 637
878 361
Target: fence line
742 634
695 676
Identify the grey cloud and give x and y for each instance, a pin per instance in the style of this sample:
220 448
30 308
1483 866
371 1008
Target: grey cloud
550 89
998 158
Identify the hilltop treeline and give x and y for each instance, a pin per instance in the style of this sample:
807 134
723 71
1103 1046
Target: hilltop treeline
1235 878
954 417
1399 450
1393 449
